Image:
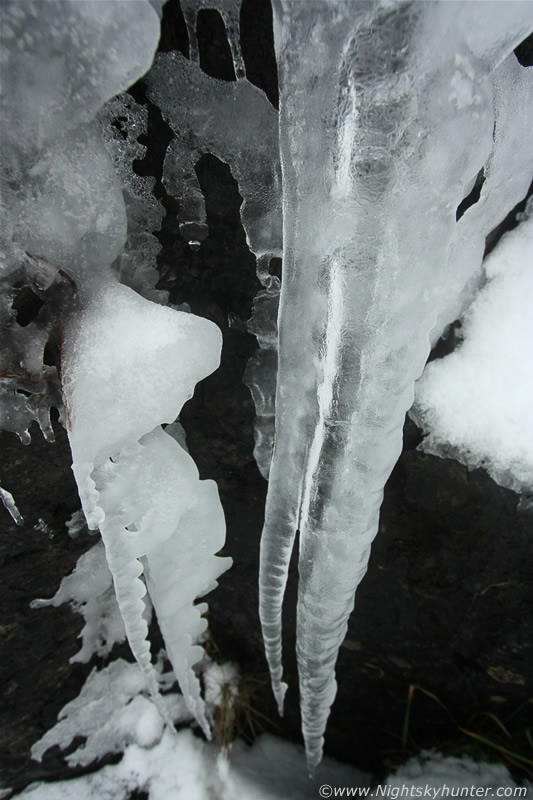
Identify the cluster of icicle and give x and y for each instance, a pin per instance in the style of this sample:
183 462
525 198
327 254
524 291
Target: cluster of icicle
235 122
388 112
78 217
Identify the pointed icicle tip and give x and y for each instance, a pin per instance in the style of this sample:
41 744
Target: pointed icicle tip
280 689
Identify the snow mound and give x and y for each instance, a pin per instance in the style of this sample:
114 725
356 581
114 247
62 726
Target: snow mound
434 770
475 404
111 712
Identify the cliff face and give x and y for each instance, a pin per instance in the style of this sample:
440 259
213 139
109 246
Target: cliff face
443 608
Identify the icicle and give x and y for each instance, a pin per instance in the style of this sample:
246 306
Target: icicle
9 502
129 365
203 111
393 116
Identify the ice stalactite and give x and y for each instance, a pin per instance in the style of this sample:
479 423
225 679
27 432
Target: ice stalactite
128 366
382 115
9 503
77 220
236 123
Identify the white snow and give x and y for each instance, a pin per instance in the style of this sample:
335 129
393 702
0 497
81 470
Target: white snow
89 590
115 715
221 682
128 367
431 769
476 403
185 768
111 711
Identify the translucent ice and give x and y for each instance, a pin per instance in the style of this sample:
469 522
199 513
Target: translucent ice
230 12
398 107
9 503
203 112
62 61
62 207
122 122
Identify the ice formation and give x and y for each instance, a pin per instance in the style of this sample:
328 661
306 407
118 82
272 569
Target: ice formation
391 111
128 366
202 111
230 12
400 104
122 121
111 711
9 503
89 590
78 221
475 404
62 207
115 715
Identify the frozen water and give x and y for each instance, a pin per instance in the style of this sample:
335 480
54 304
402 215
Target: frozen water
115 715
476 403
230 12
203 111
128 366
432 770
261 370
89 590
62 209
389 123
9 503
392 115
77 213
111 711
76 524
62 61
123 121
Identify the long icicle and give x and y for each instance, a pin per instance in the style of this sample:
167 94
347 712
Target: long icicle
379 130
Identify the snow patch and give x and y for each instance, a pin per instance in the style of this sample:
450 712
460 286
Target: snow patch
475 404
111 712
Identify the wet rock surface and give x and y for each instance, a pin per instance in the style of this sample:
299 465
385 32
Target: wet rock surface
445 606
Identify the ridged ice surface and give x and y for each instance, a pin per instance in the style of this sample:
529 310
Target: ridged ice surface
128 366
385 121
